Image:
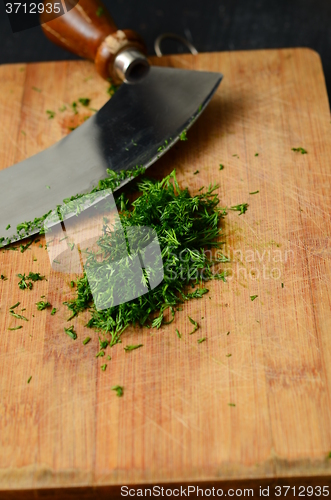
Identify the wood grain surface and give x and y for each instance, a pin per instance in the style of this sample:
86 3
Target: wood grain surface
66 428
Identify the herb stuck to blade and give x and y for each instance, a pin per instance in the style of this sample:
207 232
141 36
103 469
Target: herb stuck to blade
71 332
119 390
8 227
300 150
41 305
128 348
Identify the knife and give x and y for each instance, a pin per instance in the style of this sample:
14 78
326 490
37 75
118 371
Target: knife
141 121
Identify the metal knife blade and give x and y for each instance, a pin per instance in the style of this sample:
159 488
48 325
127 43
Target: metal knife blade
134 128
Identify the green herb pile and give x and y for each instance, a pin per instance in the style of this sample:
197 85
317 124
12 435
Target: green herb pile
185 226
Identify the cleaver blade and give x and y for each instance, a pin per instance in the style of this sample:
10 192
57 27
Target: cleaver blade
134 128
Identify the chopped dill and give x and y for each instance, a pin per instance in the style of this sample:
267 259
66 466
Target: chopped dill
50 113
202 340
71 332
29 379
16 327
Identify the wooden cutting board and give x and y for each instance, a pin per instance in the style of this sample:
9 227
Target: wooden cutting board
177 422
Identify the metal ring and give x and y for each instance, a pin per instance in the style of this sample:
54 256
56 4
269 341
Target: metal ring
184 41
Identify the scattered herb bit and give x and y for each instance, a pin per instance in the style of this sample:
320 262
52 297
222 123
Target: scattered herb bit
18 316
254 192
36 89
183 136
256 154
3 277
41 305
72 128
40 246
8 227
26 281
202 340
63 108
70 331
196 172
99 11
29 379
24 309
119 390
300 150
50 113
231 404
221 166
253 297
242 208
228 355
108 357
87 340
103 367
16 328
329 455
15 305
22 132
100 354
112 89
72 316
25 247
228 333
132 347
196 326
179 335
236 155
72 284
74 107
84 101
282 285
48 187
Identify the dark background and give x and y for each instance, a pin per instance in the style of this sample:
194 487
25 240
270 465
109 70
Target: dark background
211 25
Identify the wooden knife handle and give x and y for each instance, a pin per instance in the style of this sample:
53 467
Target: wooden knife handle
88 30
